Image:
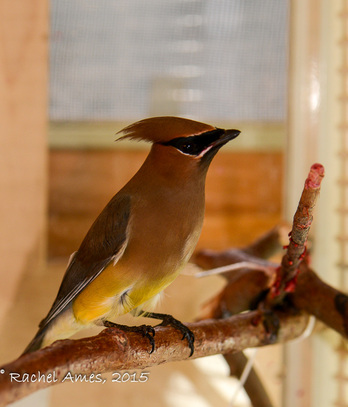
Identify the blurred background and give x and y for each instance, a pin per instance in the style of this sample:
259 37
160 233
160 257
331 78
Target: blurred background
73 73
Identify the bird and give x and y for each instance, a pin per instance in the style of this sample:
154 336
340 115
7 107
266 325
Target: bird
144 236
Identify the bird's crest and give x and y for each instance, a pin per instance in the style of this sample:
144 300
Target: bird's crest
162 129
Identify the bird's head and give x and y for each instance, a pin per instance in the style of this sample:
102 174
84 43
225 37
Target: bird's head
178 141
188 137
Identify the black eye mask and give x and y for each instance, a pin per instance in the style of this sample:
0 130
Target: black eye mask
194 145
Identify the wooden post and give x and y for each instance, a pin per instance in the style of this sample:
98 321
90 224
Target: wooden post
23 116
313 136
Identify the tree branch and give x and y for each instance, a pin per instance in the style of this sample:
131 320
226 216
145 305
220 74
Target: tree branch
256 252
114 350
299 234
327 304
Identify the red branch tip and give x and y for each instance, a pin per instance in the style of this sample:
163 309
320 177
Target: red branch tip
315 176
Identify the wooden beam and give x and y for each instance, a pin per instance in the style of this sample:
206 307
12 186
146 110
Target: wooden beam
23 113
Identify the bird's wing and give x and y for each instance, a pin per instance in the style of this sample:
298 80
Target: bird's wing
105 241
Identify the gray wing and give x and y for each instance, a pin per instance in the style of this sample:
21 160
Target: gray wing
105 240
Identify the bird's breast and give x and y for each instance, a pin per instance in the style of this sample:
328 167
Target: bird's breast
163 234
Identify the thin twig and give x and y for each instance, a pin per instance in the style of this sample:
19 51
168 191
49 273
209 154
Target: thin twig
299 234
257 251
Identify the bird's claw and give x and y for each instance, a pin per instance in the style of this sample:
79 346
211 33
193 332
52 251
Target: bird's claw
147 331
187 333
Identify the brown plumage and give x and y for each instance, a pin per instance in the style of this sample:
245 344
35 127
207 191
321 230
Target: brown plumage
162 129
144 236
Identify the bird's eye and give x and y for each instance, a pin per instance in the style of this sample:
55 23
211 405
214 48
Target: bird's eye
188 148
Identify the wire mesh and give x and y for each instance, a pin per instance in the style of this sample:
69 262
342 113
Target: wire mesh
120 60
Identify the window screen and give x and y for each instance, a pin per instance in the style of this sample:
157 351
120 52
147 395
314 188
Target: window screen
126 59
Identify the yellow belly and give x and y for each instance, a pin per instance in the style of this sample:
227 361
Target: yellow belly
115 292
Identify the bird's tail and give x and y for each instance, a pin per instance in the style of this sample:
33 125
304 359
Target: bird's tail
36 342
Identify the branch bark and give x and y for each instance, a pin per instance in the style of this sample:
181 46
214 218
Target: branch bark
114 350
326 303
299 234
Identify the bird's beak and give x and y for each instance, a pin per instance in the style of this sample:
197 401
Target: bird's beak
225 138
207 155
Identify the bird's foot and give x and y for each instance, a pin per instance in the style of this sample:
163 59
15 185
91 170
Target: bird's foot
146 331
168 320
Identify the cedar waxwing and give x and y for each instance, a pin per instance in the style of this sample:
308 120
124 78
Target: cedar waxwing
144 236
